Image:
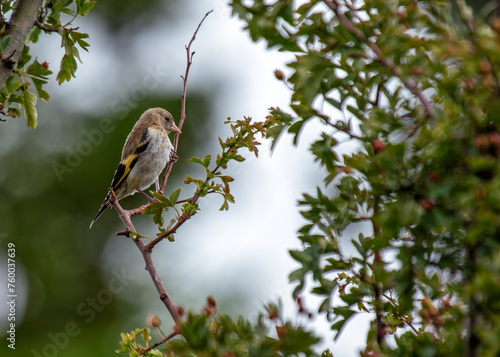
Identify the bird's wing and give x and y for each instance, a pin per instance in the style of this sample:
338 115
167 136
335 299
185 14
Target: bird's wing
130 154
128 162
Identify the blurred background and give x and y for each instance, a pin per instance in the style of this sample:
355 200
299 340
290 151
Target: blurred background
79 288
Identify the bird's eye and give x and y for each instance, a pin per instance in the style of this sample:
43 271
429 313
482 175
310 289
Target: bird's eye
167 118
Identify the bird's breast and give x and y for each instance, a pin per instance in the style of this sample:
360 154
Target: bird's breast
152 161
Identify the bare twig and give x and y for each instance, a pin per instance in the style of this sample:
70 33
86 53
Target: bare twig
189 55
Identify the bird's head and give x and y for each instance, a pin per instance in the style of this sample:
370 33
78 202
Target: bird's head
162 118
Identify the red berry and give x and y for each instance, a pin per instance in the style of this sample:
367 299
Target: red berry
378 145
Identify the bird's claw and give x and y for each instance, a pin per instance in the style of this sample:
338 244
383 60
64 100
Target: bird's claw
174 157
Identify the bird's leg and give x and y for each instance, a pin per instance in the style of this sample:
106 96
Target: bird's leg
150 199
157 184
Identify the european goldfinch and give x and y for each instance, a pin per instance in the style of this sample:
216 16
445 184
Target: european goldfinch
144 156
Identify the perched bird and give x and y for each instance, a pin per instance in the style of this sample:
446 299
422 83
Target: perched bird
144 155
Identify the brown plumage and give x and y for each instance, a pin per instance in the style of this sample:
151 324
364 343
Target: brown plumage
144 155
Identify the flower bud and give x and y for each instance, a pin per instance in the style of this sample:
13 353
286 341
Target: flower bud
154 321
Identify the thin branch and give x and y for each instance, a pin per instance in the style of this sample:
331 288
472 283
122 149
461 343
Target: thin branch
189 55
46 29
409 83
379 321
146 254
405 318
159 343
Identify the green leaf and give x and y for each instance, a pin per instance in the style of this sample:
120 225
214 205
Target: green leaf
334 103
29 108
38 70
158 217
35 34
4 43
196 160
78 38
206 160
225 206
44 95
85 8
174 196
164 200
153 208
68 69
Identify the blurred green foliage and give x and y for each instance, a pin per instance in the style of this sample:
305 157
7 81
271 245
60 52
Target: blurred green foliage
51 18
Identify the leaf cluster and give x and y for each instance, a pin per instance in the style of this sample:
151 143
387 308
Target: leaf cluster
16 94
131 343
212 334
244 136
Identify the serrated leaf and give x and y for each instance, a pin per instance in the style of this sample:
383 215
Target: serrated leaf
29 108
44 95
78 38
86 7
68 69
37 70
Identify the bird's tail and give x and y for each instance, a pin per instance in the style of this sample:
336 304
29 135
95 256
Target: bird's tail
103 207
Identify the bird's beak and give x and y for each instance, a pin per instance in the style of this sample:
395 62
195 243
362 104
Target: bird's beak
175 129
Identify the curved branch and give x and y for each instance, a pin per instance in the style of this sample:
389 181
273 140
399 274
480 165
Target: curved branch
19 27
146 254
